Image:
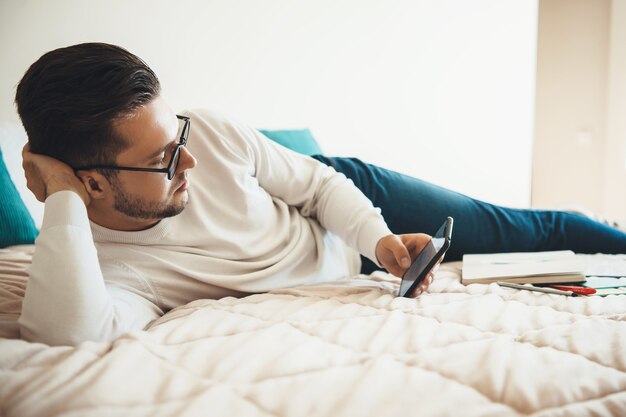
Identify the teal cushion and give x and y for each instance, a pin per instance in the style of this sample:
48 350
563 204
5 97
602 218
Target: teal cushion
16 224
301 141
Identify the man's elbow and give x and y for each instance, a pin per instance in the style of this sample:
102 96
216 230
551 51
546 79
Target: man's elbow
60 335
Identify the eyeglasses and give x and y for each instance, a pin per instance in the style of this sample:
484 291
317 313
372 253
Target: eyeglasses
171 167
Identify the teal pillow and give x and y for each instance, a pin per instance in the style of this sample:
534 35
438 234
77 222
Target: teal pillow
16 224
301 141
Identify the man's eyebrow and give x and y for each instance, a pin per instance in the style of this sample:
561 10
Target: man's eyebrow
159 151
163 149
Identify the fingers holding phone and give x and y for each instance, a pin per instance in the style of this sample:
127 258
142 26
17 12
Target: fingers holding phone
421 272
427 281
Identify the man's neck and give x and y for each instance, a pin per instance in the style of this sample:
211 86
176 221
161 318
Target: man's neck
115 220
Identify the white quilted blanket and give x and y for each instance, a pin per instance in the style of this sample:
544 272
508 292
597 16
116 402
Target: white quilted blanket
346 349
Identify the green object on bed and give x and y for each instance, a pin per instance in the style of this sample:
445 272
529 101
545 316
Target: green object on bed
301 140
16 224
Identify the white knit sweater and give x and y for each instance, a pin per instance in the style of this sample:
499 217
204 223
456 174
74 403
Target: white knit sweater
259 217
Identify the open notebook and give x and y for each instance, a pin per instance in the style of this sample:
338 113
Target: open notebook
523 267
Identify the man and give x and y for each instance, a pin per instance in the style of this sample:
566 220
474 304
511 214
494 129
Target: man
147 210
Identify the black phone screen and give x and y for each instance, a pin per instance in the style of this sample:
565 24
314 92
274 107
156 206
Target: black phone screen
426 259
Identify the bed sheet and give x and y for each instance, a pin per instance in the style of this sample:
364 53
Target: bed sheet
348 348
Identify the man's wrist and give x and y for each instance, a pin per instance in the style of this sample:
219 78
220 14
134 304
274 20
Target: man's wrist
370 236
55 186
63 208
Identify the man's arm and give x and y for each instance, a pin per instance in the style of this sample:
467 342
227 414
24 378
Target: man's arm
320 192
66 300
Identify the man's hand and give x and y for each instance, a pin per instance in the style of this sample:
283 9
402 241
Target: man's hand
396 252
46 175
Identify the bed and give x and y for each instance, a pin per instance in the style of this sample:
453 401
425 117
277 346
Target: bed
349 348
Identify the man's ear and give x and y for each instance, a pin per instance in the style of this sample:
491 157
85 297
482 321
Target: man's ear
95 183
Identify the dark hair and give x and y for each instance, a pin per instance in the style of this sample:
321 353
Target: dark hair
70 98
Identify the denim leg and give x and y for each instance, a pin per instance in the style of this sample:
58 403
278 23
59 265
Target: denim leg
410 205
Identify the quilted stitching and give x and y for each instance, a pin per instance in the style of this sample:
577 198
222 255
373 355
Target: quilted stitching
342 349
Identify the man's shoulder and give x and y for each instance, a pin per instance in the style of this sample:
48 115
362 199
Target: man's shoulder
220 131
213 117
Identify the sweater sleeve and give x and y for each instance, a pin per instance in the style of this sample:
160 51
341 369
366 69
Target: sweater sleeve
317 190
66 300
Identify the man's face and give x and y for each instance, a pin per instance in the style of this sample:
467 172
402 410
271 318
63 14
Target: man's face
153 132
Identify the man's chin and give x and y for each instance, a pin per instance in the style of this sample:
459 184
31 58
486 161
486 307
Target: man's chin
174 209
144 212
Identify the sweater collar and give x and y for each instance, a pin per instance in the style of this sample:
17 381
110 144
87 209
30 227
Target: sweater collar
143 237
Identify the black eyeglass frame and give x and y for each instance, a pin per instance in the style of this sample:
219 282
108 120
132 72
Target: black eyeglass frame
171 166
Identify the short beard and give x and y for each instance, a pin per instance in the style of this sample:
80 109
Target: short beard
139 208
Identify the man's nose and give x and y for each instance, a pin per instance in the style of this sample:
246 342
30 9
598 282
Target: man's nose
187 161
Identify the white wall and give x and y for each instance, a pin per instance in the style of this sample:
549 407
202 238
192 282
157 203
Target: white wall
580 139
615 152
443 90
572 63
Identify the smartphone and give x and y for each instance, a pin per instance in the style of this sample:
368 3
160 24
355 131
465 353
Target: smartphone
427 258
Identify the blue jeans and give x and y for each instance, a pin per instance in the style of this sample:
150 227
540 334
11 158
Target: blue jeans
410 205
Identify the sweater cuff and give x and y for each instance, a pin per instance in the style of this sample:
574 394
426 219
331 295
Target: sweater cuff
369 236
65 208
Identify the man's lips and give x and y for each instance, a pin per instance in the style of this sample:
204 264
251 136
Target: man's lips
183 186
